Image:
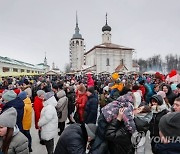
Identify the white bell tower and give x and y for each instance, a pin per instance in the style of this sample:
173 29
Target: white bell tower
77 49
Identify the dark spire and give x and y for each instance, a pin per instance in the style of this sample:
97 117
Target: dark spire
77 35
106 27
106 18
45 59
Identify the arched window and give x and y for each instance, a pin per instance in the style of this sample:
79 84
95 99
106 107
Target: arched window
107 62
77 43
81 43
73 43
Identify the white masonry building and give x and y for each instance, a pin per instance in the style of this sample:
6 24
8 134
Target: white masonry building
105 57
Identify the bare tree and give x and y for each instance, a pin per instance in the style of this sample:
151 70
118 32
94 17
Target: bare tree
67 68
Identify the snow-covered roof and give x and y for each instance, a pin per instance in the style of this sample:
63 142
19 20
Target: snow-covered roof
17 62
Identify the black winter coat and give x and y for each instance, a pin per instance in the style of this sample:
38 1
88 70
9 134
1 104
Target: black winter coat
73 140
119 138
90 112
154 124
71 102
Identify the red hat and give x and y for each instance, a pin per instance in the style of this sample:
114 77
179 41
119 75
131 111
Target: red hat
17 91
1 90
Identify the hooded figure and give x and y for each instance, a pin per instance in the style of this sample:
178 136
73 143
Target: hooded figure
90 81
159 109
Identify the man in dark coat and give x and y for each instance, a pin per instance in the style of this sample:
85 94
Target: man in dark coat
11 100
90 112
74 139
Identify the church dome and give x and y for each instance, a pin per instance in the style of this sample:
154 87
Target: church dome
77 36
106 28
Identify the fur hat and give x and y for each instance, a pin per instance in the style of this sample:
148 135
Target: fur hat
91 130
48 95
8 118
158 98
169 124
9 95
40 92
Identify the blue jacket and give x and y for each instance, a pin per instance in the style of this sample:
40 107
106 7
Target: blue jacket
90 112
18 104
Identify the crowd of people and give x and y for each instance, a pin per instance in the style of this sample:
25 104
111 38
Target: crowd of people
94 114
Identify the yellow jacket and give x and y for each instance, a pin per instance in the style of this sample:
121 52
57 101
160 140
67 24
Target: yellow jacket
118 86
27 117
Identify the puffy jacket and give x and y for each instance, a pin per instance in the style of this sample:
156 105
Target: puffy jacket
19 143
119 138
80 104
27 118
48 120
38 105
74 143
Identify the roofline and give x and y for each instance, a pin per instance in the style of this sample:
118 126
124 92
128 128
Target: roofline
106 48
77 38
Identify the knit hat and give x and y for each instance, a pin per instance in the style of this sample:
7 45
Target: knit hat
91 90
48 95
173 86
23 95
169 124
91 130
162 94
158 98
8 118
40 92
9 95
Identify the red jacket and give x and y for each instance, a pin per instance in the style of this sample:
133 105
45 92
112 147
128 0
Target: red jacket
143 89
38 105
80 104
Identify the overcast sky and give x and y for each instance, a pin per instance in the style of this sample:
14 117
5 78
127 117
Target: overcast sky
29 28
